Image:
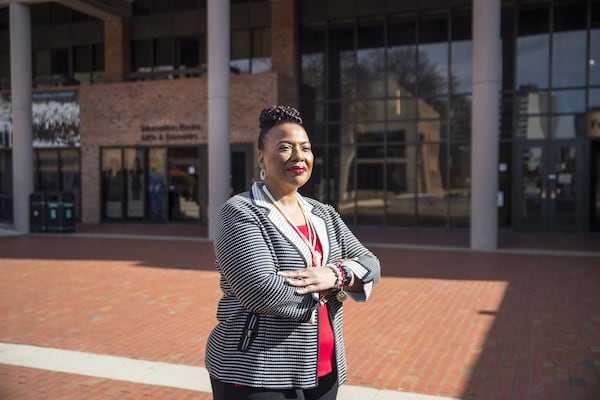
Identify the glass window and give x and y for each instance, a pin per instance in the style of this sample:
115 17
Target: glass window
566 127
432 206
433 55
401 108
135 182
47 171
112 184
568 101
60 64
533 48
594 60
82 63
59 14
183 184
157 184
240 50
402 131
189 52
370 133
98 63
261 50
341 64
164 54
461 50
370 59
594 98
143 55
40 14
344 172
313 72
71 177
569 46
402 57
373 110
186 4
533 127
370 199
6 186
42 64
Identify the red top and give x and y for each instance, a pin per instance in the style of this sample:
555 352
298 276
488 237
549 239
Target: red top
326 338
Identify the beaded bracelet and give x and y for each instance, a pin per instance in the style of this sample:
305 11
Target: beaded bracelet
347 273
339 279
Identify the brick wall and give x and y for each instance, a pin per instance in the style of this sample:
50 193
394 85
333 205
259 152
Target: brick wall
113 115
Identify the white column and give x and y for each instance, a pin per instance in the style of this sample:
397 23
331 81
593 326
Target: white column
218 110
485 124
22 131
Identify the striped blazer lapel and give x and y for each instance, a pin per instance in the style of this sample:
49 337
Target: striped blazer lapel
281 223
320 227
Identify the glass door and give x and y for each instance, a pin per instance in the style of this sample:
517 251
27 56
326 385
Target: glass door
549 189
183 184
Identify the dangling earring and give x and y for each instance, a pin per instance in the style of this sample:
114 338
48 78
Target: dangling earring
262 174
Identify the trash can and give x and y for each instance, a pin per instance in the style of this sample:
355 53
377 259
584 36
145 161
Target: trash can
54 212
37 212
68 210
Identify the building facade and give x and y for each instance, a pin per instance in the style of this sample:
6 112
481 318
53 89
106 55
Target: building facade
385 88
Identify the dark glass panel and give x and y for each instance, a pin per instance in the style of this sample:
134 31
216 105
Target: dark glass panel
60 64
402 131
370 195
40 14
341 64
568 101
346 178
370 133
261 50
461 117
186 4
240 50
373 110
143 55
82 64
433 55
567 126
594 59
402 56
135 182
432 208
163 6
313 73
370 59
188 52
71 176
42 64
112 183
157 184
164 54
569 45
47 171
401 180
183 184
59 14
533 48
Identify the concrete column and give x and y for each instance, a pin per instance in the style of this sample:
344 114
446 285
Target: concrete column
22 129
485 121
218 109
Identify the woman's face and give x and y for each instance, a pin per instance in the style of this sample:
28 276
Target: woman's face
287 157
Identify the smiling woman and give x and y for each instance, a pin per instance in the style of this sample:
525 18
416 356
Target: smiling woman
286 262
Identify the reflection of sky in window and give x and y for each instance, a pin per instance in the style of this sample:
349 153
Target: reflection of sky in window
436 54
462 54
595 57
568 59
532 61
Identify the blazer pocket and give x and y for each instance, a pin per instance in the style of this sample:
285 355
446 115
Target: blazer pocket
249 333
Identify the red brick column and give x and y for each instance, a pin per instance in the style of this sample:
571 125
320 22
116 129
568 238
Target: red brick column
116 50
284 47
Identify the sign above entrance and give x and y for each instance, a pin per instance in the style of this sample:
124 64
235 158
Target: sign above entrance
169 132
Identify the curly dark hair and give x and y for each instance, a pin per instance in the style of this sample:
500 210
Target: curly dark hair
273 116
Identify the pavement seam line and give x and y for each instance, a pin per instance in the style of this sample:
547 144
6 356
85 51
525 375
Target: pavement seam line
178 376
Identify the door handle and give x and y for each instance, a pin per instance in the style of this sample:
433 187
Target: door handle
542 193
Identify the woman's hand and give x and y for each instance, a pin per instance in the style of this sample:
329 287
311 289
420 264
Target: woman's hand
310 280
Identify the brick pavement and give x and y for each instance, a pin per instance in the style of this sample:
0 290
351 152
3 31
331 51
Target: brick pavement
450 323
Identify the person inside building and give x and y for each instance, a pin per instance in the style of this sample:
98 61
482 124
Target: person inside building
287 263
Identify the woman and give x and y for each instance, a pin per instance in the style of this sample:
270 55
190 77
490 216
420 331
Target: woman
286 262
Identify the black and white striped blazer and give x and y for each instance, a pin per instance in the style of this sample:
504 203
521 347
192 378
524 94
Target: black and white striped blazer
267 334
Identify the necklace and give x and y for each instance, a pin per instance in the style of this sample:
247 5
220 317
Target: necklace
311 240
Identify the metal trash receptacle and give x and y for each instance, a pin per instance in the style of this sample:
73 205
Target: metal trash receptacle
68 212
54 212
37 212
